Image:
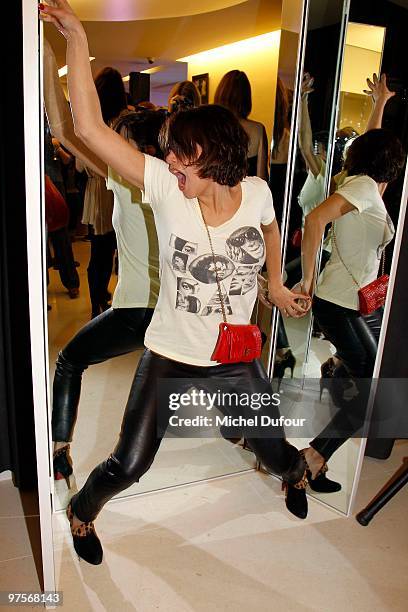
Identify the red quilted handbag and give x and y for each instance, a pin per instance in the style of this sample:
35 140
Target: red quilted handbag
373 296
237 343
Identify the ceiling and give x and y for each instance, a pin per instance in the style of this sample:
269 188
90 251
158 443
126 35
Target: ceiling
127 44
132 10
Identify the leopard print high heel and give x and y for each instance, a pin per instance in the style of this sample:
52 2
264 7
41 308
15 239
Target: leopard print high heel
62 464
295 497
86 543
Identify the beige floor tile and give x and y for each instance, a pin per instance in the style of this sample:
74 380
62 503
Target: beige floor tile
17 575
15 538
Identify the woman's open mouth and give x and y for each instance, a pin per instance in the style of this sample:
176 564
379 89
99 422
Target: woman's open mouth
181 178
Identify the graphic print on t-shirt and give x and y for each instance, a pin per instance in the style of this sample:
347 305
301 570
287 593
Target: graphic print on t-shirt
203 268
245 245
186 299
196 273
182 250
179 261
183 246
244 280
214 305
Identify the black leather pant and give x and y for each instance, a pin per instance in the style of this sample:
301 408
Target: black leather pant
139 442
356 340
116 331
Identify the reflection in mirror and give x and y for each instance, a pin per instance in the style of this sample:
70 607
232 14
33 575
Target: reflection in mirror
309 186
84 348
345 330
308 175
290 40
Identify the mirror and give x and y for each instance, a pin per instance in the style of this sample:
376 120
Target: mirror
319 356
280 141
300 349
395 117
249 42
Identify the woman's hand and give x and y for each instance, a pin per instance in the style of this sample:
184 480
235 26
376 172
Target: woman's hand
307 85
305 288
378 89
290 303
62 16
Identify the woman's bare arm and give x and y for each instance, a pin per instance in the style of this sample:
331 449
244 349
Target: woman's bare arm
315 222
380 94
60 118
89 126
313 161
278 294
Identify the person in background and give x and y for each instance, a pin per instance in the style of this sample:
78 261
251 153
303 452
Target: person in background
72 193
98 201
183 95
234 92
59 236
280 148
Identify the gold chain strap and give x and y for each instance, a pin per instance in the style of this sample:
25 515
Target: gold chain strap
215 266
333 235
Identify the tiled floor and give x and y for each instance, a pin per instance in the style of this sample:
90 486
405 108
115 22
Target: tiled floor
225 545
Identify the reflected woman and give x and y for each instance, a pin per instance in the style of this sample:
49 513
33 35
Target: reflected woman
198 194
121 328
361 228
313 148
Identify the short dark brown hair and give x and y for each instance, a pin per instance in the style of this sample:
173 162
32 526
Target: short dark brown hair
217 131
377 153
234 92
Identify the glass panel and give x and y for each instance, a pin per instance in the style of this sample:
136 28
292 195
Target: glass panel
343 342
309 175
293 14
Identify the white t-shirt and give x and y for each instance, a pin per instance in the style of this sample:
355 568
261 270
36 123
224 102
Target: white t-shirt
361 236
138 249
185 322
311 195
313 191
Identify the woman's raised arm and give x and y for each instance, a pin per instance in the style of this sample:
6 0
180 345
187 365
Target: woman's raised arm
60 118
89 126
